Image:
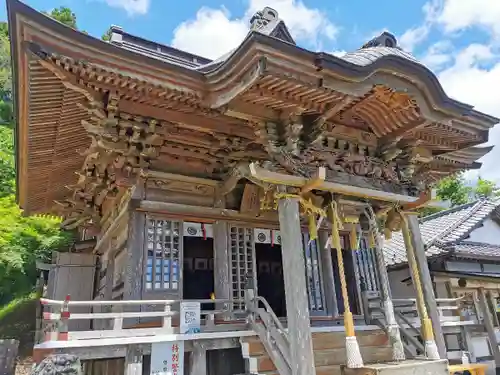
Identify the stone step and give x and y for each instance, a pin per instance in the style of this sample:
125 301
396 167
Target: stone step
413 366
323 370
328 357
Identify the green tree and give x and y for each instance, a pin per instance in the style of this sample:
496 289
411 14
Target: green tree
486 189
107 35
23 239
63 15
453 189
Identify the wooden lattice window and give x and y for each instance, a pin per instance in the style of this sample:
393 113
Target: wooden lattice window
242 261
163 254
313 275
366 259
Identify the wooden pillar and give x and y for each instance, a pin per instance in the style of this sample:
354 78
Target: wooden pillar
133 284
490 328
135 256
492 307
299 329
328 275
427 285
133 361
198 359
431 349
221 261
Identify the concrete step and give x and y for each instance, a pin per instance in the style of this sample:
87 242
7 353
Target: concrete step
411 366
323 370
327 357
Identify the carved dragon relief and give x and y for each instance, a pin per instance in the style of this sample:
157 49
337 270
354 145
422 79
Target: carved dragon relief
286 144
122 146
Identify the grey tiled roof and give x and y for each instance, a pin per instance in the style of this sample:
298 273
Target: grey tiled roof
476 249
366 56
443 231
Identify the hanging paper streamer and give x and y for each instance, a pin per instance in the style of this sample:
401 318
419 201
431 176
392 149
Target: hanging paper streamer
354 238
371 238
313 229
204 231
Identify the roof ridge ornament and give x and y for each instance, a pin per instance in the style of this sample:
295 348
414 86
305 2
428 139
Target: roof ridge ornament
263 17
386 39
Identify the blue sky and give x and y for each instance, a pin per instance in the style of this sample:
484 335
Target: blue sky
458 39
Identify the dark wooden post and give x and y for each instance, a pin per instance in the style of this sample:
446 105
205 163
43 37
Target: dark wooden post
299 329
8 354
221 261
198 359
425 279
329 280
133 361
490 328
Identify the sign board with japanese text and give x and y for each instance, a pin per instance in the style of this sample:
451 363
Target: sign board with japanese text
167 358
190 317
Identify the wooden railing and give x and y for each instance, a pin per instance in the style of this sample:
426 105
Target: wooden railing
271 332
453 312
143 318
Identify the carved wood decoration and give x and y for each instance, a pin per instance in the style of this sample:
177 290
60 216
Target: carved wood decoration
122 147
269 105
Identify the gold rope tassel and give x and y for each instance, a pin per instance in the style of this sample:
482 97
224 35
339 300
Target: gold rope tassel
354 359
431 350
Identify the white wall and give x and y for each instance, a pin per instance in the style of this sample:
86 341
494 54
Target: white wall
489 233
401 289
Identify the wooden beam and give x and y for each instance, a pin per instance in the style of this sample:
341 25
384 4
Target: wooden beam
424 198
259 173
396 135
314 182
337 108
208 214
221 124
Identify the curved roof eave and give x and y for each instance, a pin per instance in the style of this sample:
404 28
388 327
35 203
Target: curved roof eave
16 8
348 69
360 72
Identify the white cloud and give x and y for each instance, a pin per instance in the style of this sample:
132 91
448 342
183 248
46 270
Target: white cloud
213 32
132 7
438 55
416 35
457 15
468 81
412 37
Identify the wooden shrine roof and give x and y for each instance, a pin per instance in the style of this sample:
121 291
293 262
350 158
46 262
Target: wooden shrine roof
176 112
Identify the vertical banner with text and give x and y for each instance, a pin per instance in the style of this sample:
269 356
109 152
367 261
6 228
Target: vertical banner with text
167 358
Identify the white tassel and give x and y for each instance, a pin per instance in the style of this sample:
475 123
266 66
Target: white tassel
354 359
398 352
431 350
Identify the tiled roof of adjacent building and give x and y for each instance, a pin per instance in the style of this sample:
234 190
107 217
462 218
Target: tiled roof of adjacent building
446 231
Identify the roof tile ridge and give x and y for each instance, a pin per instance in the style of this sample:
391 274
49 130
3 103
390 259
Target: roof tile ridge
447 212
478 204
